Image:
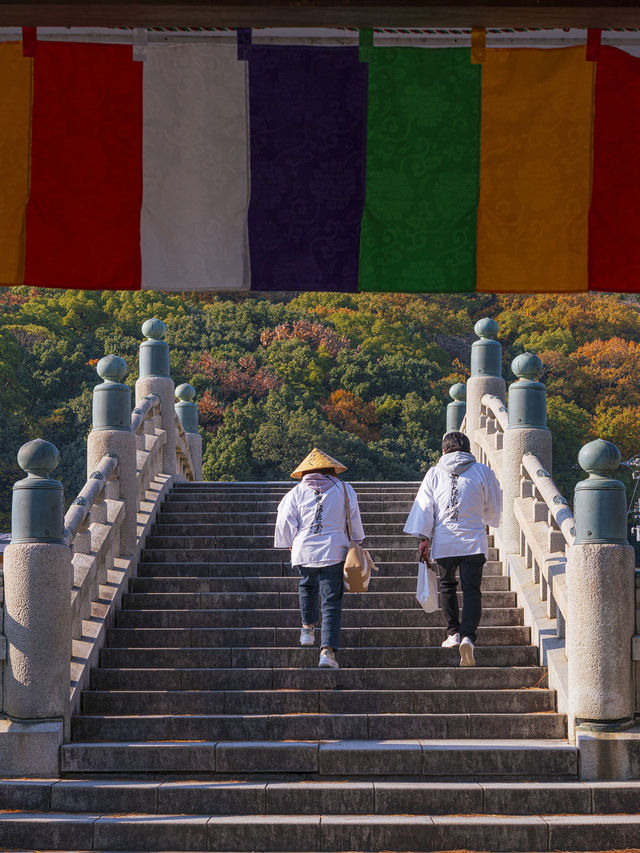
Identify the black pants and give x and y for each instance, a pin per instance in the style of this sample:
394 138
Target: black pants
470 578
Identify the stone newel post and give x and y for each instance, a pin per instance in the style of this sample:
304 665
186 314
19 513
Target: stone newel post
187 412
527 433
601 603
111 434
155 379
38 576
457 409
486 375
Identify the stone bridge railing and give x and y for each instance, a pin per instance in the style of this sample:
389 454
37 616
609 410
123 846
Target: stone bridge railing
65 577
574 576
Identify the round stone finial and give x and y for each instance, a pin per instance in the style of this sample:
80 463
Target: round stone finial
112 368
186 393
38 457
154 329
527 366
486 328
599 458
458 392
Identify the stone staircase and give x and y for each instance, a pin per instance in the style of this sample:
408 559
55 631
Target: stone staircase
207 726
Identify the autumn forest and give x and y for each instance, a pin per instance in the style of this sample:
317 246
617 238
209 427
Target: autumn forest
365 376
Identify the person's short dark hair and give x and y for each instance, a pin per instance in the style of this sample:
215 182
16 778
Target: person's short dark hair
453 441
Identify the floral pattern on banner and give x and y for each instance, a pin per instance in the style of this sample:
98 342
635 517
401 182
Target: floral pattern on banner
419 224
536 169
307 110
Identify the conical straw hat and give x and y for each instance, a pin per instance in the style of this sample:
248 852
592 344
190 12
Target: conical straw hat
315 460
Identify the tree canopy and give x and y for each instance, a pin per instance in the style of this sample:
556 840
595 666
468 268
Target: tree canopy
364 376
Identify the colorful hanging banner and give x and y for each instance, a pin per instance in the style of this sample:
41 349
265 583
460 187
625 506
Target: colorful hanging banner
196 181
83 216
254 169
423 136
15 130
307 110
614 245
535 170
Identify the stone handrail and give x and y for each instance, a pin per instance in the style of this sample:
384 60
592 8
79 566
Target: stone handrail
497 408
557 505
86 557
546 526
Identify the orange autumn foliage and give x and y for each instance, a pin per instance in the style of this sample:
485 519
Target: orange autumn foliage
348 412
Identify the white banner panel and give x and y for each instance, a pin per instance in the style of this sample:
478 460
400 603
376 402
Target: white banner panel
195 169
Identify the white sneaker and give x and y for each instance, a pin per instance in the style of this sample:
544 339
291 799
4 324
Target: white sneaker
307 636
466 653
328 660
451 642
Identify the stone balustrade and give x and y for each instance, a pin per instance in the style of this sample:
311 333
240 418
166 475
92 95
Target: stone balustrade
85 560
574 576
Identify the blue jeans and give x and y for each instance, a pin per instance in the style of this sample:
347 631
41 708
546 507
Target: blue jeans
327 581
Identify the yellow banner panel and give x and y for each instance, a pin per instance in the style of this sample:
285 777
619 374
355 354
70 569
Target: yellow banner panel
535 170
15 128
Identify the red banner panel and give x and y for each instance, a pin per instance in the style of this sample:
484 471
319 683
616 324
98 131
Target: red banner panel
83 216
614 217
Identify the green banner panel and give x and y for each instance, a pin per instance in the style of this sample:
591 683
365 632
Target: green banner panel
423 153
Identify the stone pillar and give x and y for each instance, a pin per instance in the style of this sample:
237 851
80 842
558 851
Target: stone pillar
486 375
155 379
601 606
111 435
187 412
456 410
38 577
527 433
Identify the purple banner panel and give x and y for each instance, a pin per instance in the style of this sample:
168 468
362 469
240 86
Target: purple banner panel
307 109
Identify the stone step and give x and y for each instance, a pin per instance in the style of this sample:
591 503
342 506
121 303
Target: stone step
288 701
260 637
263 522
257 584
490 582
398 678
529 758
366 795
240 505
249 832
295 656
287 617
316 726
383 544
199 550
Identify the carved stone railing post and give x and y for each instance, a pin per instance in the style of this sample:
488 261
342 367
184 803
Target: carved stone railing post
486 375
187 412
37 580
457 409
155 379
601 619
527 433
111 435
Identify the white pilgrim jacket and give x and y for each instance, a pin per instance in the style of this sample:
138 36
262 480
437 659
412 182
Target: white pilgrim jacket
457 497
313 523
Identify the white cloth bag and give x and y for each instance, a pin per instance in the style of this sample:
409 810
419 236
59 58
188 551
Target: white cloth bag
427 591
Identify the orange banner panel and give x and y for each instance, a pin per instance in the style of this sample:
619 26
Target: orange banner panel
15 129
535 170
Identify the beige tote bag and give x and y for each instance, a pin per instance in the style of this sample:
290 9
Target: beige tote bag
358 564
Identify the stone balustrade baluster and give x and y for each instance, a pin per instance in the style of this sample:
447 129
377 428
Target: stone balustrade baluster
527 433
457 409
155 379
187 412
601 616
486 376
38 577
111 434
